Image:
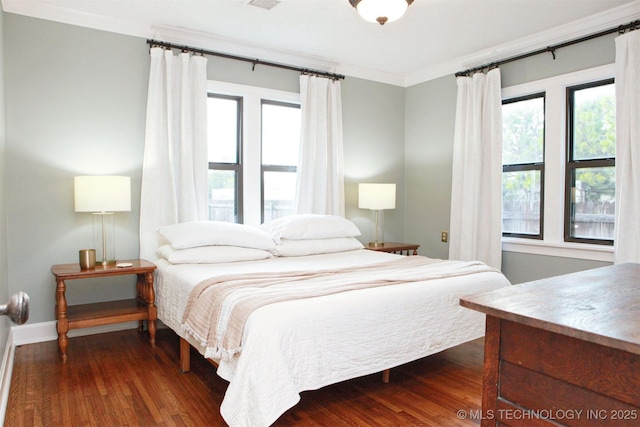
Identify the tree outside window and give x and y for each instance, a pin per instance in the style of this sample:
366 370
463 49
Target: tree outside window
523 166
590 188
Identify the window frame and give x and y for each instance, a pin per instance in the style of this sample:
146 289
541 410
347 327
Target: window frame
553 243
531 166
251 145
573 165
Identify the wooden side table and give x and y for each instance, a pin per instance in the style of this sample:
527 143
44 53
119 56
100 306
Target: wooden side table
87 315
394 247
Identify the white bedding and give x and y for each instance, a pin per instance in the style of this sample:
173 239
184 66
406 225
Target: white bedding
300 345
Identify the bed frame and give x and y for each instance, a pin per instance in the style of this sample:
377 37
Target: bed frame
185 360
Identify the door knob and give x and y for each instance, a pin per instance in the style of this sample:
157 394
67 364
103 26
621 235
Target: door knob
17 308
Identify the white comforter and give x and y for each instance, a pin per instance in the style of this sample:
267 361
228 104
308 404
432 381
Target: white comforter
306 344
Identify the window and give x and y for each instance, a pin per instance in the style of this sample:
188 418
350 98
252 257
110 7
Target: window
224 119
254 136
563 203
280 147
590 172
523 166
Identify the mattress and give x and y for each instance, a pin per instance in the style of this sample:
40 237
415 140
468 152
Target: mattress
293 346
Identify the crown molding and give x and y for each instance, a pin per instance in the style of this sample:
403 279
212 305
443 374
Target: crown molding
43 10
216 43
373 75
570 31
53 12
65 15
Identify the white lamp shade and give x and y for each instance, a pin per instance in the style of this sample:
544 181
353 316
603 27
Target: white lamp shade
376 196
372 10
102 193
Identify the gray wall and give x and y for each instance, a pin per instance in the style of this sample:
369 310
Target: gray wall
430 123
4 283
75 104
76 101
429 147
373 126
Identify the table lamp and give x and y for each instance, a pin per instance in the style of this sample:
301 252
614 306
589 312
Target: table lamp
103 196
377 197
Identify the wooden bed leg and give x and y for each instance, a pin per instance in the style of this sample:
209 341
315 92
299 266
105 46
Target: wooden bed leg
385 376
185 356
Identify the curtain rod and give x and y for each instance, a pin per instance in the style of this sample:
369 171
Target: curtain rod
620 29
255 62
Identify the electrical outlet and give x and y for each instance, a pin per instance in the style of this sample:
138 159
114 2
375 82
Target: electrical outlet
445 237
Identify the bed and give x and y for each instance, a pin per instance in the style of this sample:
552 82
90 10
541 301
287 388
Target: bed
306 343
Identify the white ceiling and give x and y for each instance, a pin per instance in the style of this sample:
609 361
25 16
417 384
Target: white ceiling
434 38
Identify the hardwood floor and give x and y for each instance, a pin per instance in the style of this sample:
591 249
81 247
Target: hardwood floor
118 379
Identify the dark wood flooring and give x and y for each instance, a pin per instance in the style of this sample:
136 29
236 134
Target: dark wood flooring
118 379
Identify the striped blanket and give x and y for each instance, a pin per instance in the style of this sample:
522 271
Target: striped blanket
219 307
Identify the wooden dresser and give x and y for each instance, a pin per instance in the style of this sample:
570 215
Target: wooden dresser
563 350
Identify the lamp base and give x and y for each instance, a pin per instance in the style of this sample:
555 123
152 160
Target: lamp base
104 232
377 228
376 244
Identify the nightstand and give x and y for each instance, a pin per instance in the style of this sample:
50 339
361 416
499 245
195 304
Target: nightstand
394 247
104 313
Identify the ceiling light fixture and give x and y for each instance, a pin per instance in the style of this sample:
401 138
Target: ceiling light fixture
381 11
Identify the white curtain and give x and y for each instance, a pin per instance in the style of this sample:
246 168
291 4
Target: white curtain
320 184
627 233
174 169
476 193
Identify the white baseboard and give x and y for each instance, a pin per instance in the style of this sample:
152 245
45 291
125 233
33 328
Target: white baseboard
46 331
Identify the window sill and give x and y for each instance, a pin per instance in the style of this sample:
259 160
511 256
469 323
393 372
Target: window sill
558 249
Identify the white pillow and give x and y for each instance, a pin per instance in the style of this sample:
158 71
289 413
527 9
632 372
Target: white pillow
209 233
317 246
211 254
310 226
